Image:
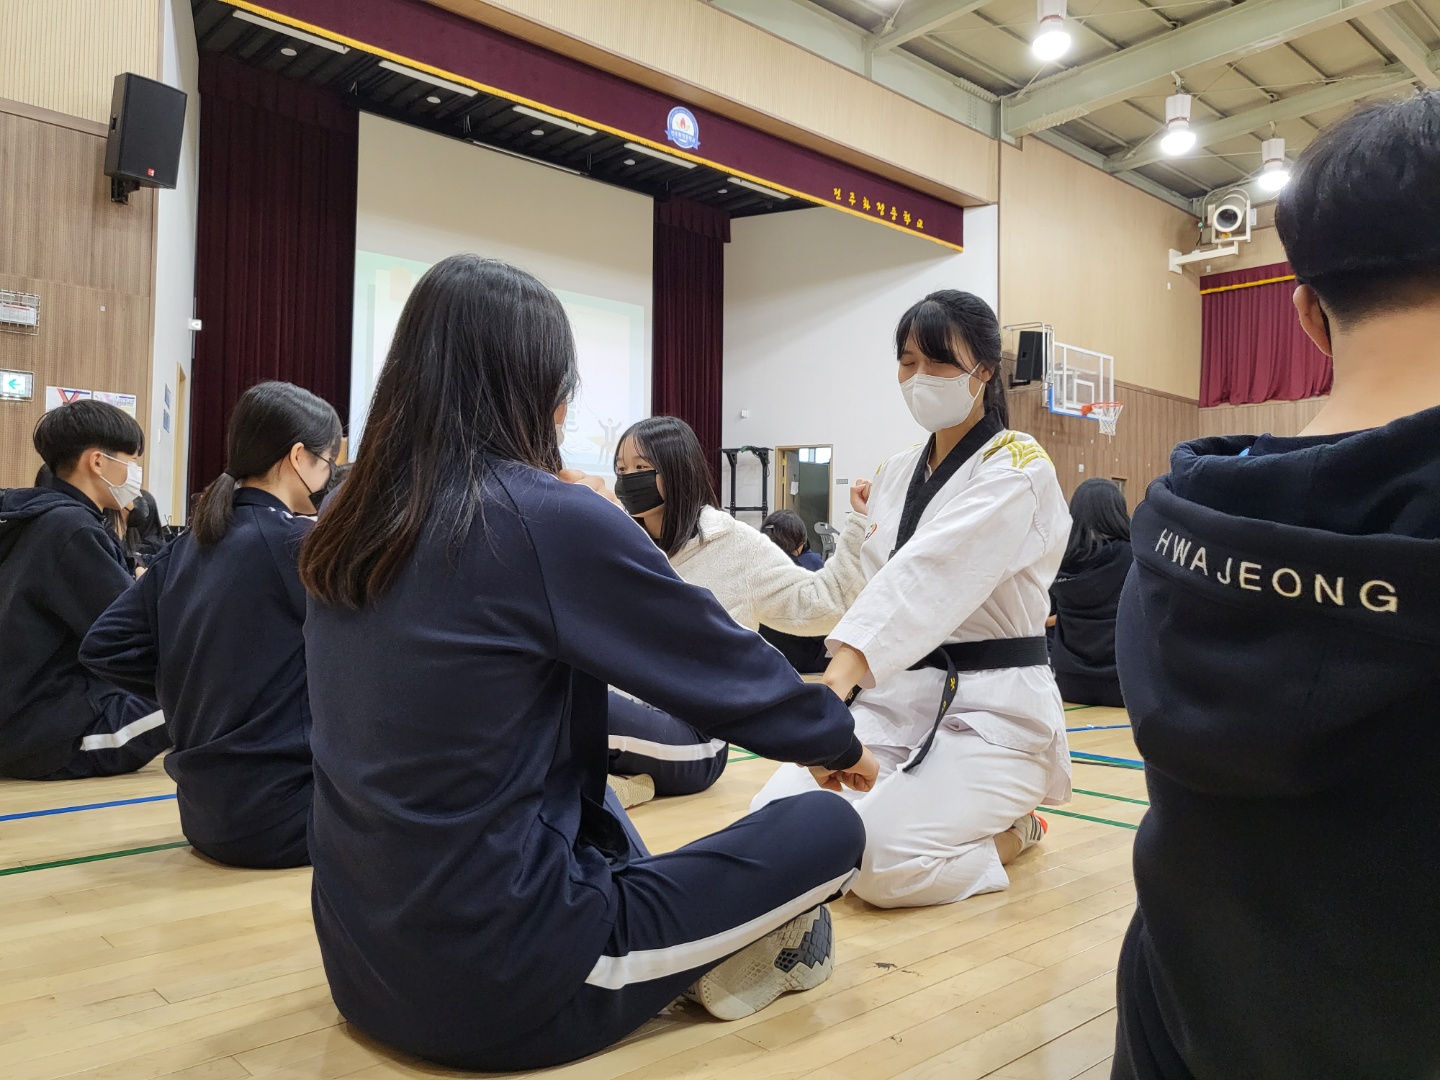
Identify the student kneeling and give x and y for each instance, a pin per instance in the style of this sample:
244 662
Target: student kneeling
477 903
215 631
60 567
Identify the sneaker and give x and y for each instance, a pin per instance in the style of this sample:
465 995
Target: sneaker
632 790
1031 829
798 956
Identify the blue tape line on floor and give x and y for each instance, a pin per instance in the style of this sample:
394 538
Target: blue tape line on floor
86 806
1097 727
1105 759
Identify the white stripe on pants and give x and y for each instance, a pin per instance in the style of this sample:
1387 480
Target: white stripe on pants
930 833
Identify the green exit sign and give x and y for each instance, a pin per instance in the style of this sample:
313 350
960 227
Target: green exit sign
17 385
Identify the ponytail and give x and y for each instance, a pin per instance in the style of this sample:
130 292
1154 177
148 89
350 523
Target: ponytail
269 419
211 518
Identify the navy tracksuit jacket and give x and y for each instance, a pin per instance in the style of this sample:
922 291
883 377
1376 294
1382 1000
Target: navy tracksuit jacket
464 865
216 635
1279 647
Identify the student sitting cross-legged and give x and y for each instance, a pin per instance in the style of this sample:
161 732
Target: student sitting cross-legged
61 565
214 630
477 901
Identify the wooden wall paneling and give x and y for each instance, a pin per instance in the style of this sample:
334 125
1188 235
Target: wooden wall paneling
1086 253
91 263
1283 418
64 54
1150 426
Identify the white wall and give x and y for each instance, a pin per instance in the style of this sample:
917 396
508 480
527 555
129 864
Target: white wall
423 197
811 302
174 264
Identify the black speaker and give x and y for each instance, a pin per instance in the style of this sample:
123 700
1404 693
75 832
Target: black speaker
1029 358
147 122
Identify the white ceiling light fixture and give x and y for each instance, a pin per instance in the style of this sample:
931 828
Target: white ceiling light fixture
660 155
426 77
1178 138
290 31
527 157
1053 41
288 51
433 100
767 192
568 125
1273 175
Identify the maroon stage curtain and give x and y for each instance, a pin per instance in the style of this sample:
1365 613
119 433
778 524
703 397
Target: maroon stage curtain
689 317
275 258
1252 348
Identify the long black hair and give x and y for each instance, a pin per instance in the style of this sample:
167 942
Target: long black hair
787 529
481 359
669 444
945 318
1097 515
269 419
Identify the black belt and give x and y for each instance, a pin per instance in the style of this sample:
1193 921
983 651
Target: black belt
989 655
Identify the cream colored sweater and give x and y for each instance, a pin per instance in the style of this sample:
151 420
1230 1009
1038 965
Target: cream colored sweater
758 583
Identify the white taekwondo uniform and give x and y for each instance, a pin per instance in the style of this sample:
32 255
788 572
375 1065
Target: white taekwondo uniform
978 567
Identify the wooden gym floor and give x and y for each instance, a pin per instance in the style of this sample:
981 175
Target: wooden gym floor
124 956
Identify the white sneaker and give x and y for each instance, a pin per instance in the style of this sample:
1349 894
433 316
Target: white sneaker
798 956
1031 829
632 790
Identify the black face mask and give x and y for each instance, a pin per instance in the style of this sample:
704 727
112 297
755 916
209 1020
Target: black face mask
318 497
638 492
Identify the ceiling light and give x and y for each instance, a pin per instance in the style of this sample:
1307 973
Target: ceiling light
537 132
723 191
1274 175
629 161
1178 138
768 192
569 125
290 31
433 100
659 154
527 157
288 51
1053 41
426 77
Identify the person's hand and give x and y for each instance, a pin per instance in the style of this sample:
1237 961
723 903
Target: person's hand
859 777
860 496
594 483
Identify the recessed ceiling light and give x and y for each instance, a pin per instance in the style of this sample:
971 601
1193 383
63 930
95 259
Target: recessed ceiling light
723 191
629 161
433 100
287 51
537 132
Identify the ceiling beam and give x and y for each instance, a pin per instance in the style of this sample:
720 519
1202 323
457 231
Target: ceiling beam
1091 157
1408 49
1239 31
1243 123
918 18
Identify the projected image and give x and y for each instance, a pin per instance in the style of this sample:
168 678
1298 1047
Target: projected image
609 340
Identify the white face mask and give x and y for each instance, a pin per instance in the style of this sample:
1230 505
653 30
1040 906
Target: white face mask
129 491
938 403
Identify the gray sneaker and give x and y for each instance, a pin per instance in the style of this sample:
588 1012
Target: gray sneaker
798 956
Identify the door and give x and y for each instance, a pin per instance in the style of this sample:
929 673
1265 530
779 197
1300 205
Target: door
803 484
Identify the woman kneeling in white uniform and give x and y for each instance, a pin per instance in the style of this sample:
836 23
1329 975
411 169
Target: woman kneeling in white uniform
947 639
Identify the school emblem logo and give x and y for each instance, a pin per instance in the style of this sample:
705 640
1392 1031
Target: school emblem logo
682 130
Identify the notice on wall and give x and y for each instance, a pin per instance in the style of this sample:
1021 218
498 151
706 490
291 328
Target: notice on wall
55 396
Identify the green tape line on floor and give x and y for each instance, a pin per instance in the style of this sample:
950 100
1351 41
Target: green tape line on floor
1086 817
736 754
1078 708
1107 795
91 858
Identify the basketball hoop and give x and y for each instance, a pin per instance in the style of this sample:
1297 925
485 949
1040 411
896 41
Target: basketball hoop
1107 412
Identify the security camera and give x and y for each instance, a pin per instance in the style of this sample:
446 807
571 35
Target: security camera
1230 215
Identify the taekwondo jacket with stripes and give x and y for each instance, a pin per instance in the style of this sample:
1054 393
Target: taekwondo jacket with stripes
463 857
1278 643
215 635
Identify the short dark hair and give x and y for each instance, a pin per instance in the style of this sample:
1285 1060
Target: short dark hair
268 420
1097 515
63 434
942 317
787 529
1360 217
671 446
481 359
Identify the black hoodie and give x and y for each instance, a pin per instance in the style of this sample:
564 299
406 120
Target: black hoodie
1082 646
60 567
1279 646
